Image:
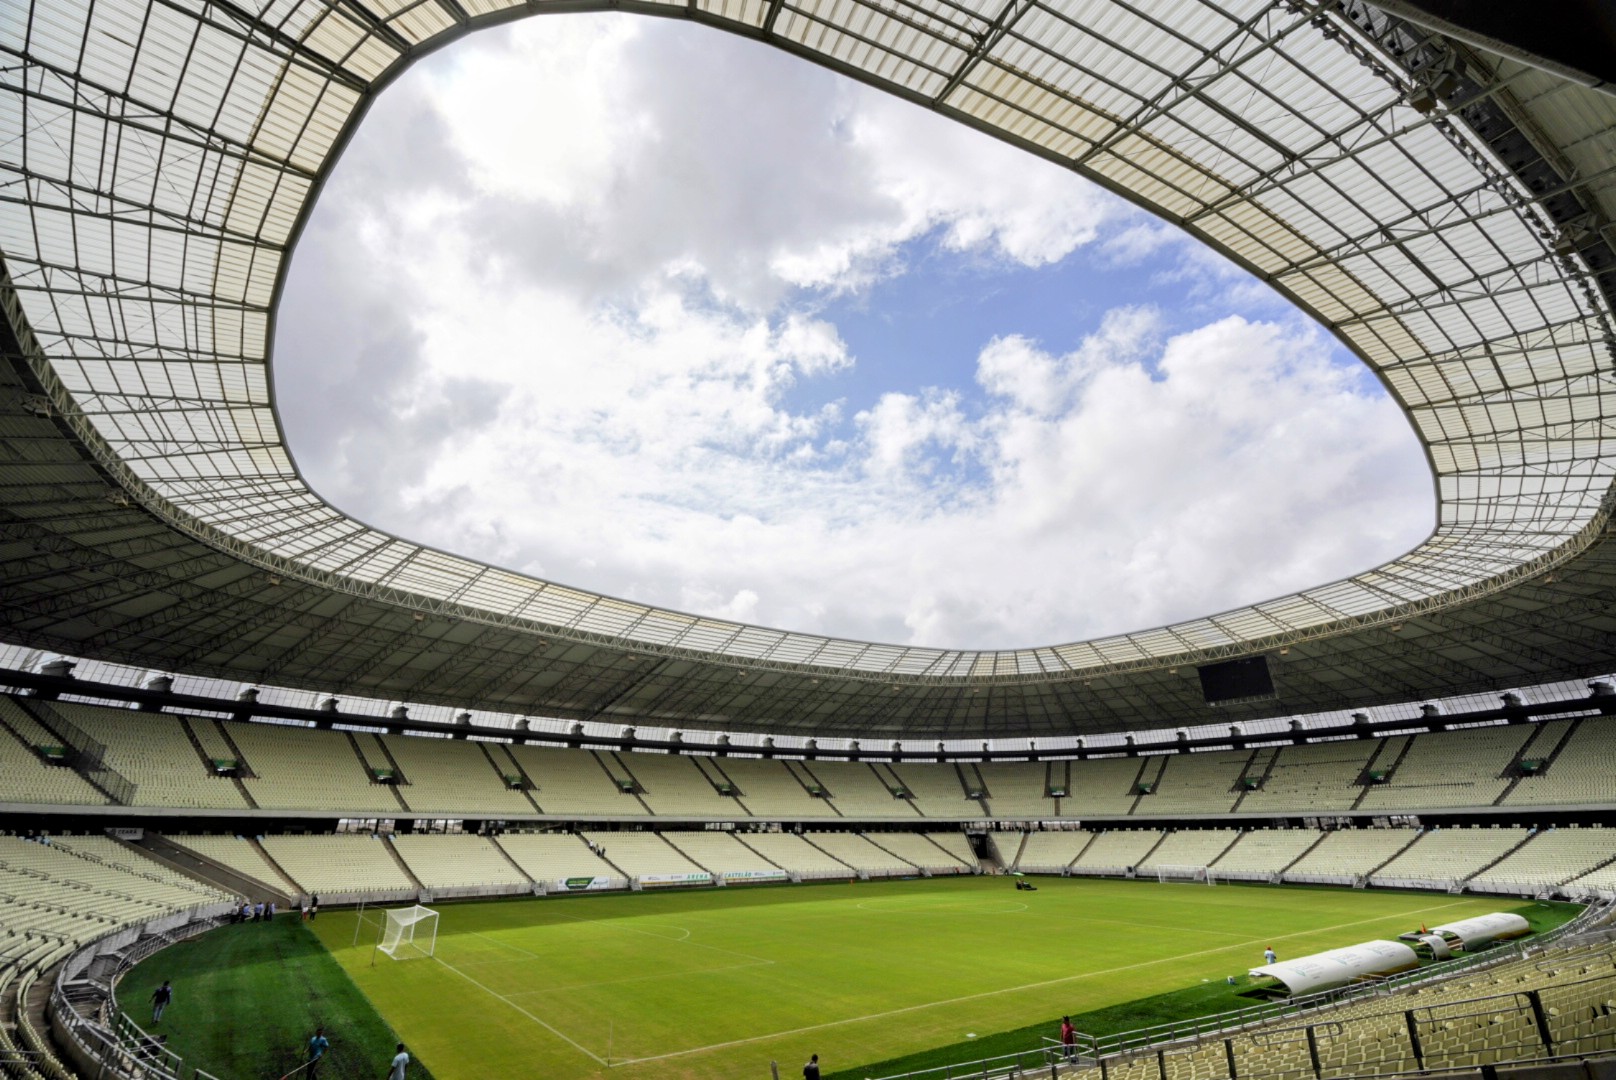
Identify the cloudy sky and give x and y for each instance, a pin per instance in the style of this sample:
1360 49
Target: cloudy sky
647 309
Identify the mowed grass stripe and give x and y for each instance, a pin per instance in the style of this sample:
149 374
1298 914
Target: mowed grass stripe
846 975
501 997
247 998
1046 984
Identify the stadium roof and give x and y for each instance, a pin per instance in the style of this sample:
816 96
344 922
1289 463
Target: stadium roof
1442 206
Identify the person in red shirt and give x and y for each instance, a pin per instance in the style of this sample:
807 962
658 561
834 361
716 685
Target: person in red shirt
1068 1038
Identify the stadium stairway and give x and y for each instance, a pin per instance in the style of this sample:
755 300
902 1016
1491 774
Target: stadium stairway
624 874
1391 751
1145 858
192 864
1308 851
196 744
1148 779
753 849
271 860
1363 879
404 866
851 871
1527 839
500 760
497 846
1015 858
667 838
618 770
507 759
1532 748
805 776
88 762
871 837
399 778
1258 768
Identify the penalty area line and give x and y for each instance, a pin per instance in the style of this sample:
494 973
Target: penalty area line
1017 989
686 940
596 1058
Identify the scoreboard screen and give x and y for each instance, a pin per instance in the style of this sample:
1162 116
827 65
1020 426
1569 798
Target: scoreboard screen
1237 680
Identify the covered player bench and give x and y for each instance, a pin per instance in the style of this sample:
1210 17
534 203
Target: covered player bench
1337 967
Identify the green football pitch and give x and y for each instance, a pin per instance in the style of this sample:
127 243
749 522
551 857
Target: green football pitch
717 983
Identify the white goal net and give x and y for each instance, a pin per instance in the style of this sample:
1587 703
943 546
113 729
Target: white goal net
1198 874
409 932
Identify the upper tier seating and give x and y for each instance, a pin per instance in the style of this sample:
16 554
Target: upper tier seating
27 778
1318 776
1018 789
675 786
449 861
640 853
552 857
1104 786
315 771
1190 847
1261 852
155 754
1444 855
1350 853
770 790
796 855
857 791
1117 849
574 782
937 791
448 776
1580 775
339 864
299 768
1450 768
1202 783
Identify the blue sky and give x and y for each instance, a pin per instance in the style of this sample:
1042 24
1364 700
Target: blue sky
695 323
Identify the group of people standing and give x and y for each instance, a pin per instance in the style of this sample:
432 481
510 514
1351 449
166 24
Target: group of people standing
265 911
251 912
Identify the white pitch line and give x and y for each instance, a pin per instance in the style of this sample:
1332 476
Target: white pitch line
505 945
596 1058
560 989
1017 989
675 941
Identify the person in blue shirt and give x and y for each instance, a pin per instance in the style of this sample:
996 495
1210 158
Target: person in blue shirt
318 1045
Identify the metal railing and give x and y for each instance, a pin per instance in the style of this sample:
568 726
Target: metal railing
1096 1050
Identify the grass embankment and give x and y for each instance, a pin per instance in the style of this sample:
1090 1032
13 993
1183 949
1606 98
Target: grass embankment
1192 1002
247 998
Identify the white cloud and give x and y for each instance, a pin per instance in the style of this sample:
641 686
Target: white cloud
567 333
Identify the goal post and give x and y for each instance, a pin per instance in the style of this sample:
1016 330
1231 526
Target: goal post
368 916
1201 875
409 933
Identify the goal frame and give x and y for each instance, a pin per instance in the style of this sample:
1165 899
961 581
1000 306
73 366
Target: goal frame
1196 875
399 933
